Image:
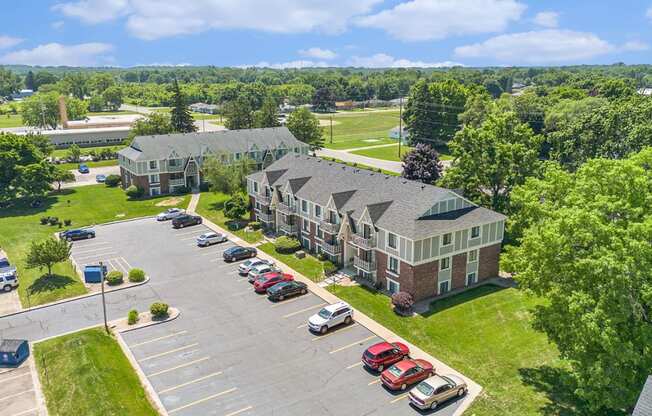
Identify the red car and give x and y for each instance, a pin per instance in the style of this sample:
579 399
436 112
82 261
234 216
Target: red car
405 373
268 280
381 355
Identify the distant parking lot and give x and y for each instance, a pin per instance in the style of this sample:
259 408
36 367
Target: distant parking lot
233 352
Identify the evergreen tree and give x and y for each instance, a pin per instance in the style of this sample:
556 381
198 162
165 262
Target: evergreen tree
180 116
29 81
267 116
239 114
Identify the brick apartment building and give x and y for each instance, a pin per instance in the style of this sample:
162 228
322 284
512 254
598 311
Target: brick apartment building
160 164
397 234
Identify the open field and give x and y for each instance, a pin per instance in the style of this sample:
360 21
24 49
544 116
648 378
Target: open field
84 150
486 334
85 206
359 129
391 153
86 373
210 206
202 116
11 120
98 164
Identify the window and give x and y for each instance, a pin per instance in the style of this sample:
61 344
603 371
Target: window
306 244
304 206
447 239
472 256
444 287
153 164
154 178
154 191
393 287
393 264
475 231
175 163
257 205
471 278
237 156
445 263
256 187
317 211
392 240
306 224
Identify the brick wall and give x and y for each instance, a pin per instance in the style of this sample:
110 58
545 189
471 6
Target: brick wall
489 260
421 279
129 178
252 206
458 274
165 182
381 266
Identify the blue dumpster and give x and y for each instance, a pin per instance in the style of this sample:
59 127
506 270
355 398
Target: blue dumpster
13 352
93 273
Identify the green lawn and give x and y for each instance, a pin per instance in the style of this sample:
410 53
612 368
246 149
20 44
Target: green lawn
391 153
11 120
99 163
85 206
351 130
202 116
309 266
86 373
84 150
485 333
210 206
361 166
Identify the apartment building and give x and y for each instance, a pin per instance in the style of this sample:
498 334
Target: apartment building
396 234
162 163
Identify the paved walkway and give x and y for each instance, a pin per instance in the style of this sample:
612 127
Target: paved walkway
194 200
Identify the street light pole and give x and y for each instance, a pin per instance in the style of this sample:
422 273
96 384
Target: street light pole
106 325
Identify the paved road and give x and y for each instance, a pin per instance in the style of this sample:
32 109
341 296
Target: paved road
84 179
369 161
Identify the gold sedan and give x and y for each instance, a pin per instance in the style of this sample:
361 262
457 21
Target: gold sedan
435 390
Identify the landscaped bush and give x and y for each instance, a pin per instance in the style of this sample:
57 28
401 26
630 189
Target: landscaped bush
255 225
67 222
159 309
204 187
329 268
112 181
136 275
132 318
44 220
322 256
287 245
134 192
114 278
403 303
53 220
181 190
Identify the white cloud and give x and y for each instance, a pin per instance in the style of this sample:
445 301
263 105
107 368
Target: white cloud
538 47
291 64
8 41
56 54
382 60
635 46
58 25
547 19
318 53
420 20
154 19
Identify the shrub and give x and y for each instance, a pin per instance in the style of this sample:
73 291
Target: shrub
403 303
44 220
204 187
132 318
329 268
114 278
287 245
112 181
53 220
322 256
159 309
134 192
67 222
136 275
179 190
255 225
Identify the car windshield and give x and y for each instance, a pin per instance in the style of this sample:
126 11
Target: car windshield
425 388
4 263
395 371
324 313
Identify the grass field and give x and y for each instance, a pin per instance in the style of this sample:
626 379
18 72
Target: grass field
84 150
86 373
202 116
99 163
85 206
391 153
358 129
309 266
11 120
486 334
210 206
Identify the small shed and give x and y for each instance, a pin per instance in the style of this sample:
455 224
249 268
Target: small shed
93 273
13 352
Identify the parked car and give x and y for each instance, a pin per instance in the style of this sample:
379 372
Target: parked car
268 280
8 275
284 290
211 238
82 168
245 267
431 392
170 214
100 178
383 354
236 253
260 270
186 220
78 234
330 316
406 373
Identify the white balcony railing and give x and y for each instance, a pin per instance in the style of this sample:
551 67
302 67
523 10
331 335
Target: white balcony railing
365 243
366 265
331 248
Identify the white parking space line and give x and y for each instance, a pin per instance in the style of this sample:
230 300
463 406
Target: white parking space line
82 246
190 238
376 381
302 326
304 310
95 256
162 354
125 267
15 395
188 233
358 364
242 279
353 344
285 302
237 412
24 412
95 250
399 398
111 264
188 364
187 383
15 377
126 262
12 370
158 339
335 332
205 399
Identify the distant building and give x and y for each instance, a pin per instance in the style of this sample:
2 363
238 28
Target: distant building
644 403
395 134
21 94
204 108
61 139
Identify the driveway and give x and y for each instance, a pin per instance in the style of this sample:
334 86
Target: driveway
231 351
84 179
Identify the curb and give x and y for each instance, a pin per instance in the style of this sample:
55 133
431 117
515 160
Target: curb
174 315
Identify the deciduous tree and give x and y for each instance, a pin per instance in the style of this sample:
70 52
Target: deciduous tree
239 114
47 253
422 164
305 127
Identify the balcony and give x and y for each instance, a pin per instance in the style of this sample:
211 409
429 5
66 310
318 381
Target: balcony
366 265
333 249
364 243
329 227
178 182
288 228
265 216
286 209
263 199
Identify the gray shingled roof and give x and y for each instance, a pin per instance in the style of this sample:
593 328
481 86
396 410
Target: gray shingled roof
644 403
229 141
395 204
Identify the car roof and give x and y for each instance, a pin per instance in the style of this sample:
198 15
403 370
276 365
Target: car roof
405 365
336 306
380 347
436 381
209 234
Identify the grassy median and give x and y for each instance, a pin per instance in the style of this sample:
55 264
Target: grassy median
211 205
86 373
309 266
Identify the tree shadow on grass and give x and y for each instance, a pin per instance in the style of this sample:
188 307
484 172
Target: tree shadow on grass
463 297
47 283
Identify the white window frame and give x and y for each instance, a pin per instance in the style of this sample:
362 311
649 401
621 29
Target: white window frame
306 239
155 175
305 211
175 165
149 165
443 237
475 278
441 263
255 187
151 191
321 211
306 221
395 239
477 256
398 285
479 232
398 265
439 292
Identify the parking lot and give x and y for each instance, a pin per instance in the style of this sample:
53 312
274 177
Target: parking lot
18 397
233 352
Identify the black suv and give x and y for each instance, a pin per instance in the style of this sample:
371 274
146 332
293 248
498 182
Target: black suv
284 290
186 220
72 235
239 253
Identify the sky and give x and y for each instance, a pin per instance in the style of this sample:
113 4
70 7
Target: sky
320 33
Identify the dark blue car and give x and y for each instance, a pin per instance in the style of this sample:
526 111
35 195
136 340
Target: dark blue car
72 235
83 169
239 253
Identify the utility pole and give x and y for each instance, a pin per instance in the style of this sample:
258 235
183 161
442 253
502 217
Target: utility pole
106 325
331 129
400 126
